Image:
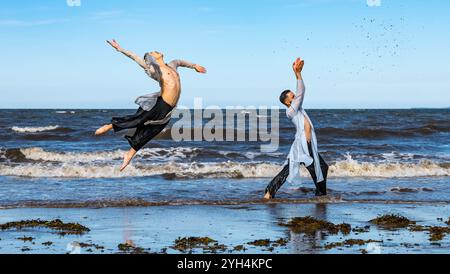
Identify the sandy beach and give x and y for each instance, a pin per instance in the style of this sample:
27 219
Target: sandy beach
235 228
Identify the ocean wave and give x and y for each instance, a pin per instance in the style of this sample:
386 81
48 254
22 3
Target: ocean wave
169 170
353 168
33 129
39 154
383 132
236 170
153 154
64 112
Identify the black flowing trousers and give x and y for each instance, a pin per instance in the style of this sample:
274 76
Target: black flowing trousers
281 177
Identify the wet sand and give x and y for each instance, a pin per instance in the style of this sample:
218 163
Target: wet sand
234 228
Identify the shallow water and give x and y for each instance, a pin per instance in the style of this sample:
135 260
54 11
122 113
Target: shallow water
156 228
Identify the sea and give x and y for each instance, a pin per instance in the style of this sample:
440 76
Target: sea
51 158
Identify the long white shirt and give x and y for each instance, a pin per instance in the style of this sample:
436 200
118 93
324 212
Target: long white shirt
299 152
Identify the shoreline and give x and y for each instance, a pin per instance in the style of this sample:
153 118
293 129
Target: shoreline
137 203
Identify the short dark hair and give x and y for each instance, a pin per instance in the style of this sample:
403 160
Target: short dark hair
283 96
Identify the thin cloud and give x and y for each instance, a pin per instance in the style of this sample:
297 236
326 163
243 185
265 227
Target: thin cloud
106 14
30 23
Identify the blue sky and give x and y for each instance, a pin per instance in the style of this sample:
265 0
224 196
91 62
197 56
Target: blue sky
393 55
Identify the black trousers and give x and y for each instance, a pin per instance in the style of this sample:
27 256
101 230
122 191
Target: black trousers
144 133
281 177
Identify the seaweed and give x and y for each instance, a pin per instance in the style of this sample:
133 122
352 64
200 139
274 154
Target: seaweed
350 242
47 243
418 228
57 224
280 242
88 245
130 248
189 243
263 242
26 239
310 226
361 229
239 248
216 247
436 233
392 221
268 244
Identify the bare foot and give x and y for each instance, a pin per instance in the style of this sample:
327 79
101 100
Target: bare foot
130 243
267 196
103 129
127 159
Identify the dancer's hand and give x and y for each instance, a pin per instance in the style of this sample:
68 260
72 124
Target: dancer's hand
200 69
297 66
114 44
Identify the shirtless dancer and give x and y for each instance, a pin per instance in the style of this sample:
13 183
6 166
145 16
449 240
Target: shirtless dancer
304 149
155 109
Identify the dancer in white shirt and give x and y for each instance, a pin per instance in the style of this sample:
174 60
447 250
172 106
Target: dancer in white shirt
304 149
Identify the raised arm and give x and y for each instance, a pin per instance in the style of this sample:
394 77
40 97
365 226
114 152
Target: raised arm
149 69
181 63
127 53
300 94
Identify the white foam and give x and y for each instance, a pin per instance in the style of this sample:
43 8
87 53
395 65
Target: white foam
221 170
217 170
353 168
37 153
64 112
166 154
105 164
33 129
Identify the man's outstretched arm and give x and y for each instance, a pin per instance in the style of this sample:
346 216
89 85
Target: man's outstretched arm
181 63
127 53
150 70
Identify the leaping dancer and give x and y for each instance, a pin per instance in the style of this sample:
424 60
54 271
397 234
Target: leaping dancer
304 149
155 109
